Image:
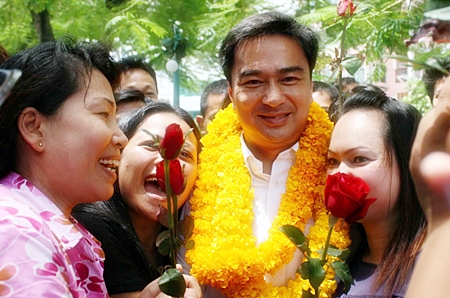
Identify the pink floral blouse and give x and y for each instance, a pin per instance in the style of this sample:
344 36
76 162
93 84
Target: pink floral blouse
42 252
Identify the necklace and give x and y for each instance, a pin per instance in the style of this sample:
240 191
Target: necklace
225 255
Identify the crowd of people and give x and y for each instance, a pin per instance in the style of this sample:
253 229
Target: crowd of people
81 207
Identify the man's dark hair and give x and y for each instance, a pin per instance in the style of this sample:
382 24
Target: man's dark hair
346 81
136 62
266 24
332 91
432 75
219 87
126 96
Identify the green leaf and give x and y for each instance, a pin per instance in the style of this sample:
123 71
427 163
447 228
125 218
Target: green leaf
178 243
186 227
303 270
307 294
345 253
351 64
190 244
163 243
335 252
316 273
435 64
296 236
172 283
342 270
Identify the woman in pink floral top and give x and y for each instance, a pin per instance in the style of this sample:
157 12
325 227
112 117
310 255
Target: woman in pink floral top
59 146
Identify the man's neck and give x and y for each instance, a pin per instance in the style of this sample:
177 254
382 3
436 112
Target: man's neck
266 155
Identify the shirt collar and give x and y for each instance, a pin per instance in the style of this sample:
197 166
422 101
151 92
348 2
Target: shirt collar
255 165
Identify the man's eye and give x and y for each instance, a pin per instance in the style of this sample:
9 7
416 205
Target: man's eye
253 82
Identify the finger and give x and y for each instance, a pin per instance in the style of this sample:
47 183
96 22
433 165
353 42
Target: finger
435 169
192 283
179 267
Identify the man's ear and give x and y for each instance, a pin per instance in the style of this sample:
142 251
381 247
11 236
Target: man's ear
199 119
31 125
230 93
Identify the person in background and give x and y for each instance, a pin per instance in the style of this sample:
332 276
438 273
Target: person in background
348 83
372 139
59 146
128 101
434 79
136 74
214 97
128 224
324 94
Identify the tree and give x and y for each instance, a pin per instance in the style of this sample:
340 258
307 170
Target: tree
377 29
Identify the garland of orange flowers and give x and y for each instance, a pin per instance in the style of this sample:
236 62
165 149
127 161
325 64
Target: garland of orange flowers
225 254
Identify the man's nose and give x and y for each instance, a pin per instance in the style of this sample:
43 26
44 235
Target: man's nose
274 95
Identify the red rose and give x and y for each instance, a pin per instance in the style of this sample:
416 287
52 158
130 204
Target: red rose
176 176
343 6
345 197
172 142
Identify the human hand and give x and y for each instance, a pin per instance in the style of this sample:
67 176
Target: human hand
430 161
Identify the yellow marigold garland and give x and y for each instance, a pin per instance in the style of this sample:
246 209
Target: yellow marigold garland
225 255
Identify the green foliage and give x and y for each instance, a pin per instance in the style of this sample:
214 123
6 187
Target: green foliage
172 283
378 28
314 269
417 95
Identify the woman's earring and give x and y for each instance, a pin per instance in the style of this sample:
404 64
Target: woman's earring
40 144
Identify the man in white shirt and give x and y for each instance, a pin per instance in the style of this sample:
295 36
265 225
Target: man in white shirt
268 61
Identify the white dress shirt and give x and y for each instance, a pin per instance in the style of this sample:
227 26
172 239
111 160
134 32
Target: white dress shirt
268 190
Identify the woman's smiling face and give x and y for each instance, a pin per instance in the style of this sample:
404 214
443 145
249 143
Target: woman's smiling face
137 170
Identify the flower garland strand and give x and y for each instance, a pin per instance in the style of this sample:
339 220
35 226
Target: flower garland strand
225 255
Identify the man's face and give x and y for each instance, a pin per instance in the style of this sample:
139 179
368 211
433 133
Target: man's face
215 102
323 99
138 79
271 92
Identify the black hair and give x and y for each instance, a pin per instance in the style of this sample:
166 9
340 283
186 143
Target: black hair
266 24
346 81
131 122
409 228
126 96
219 87
115 210
432 75
51 73
136 62
332 91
